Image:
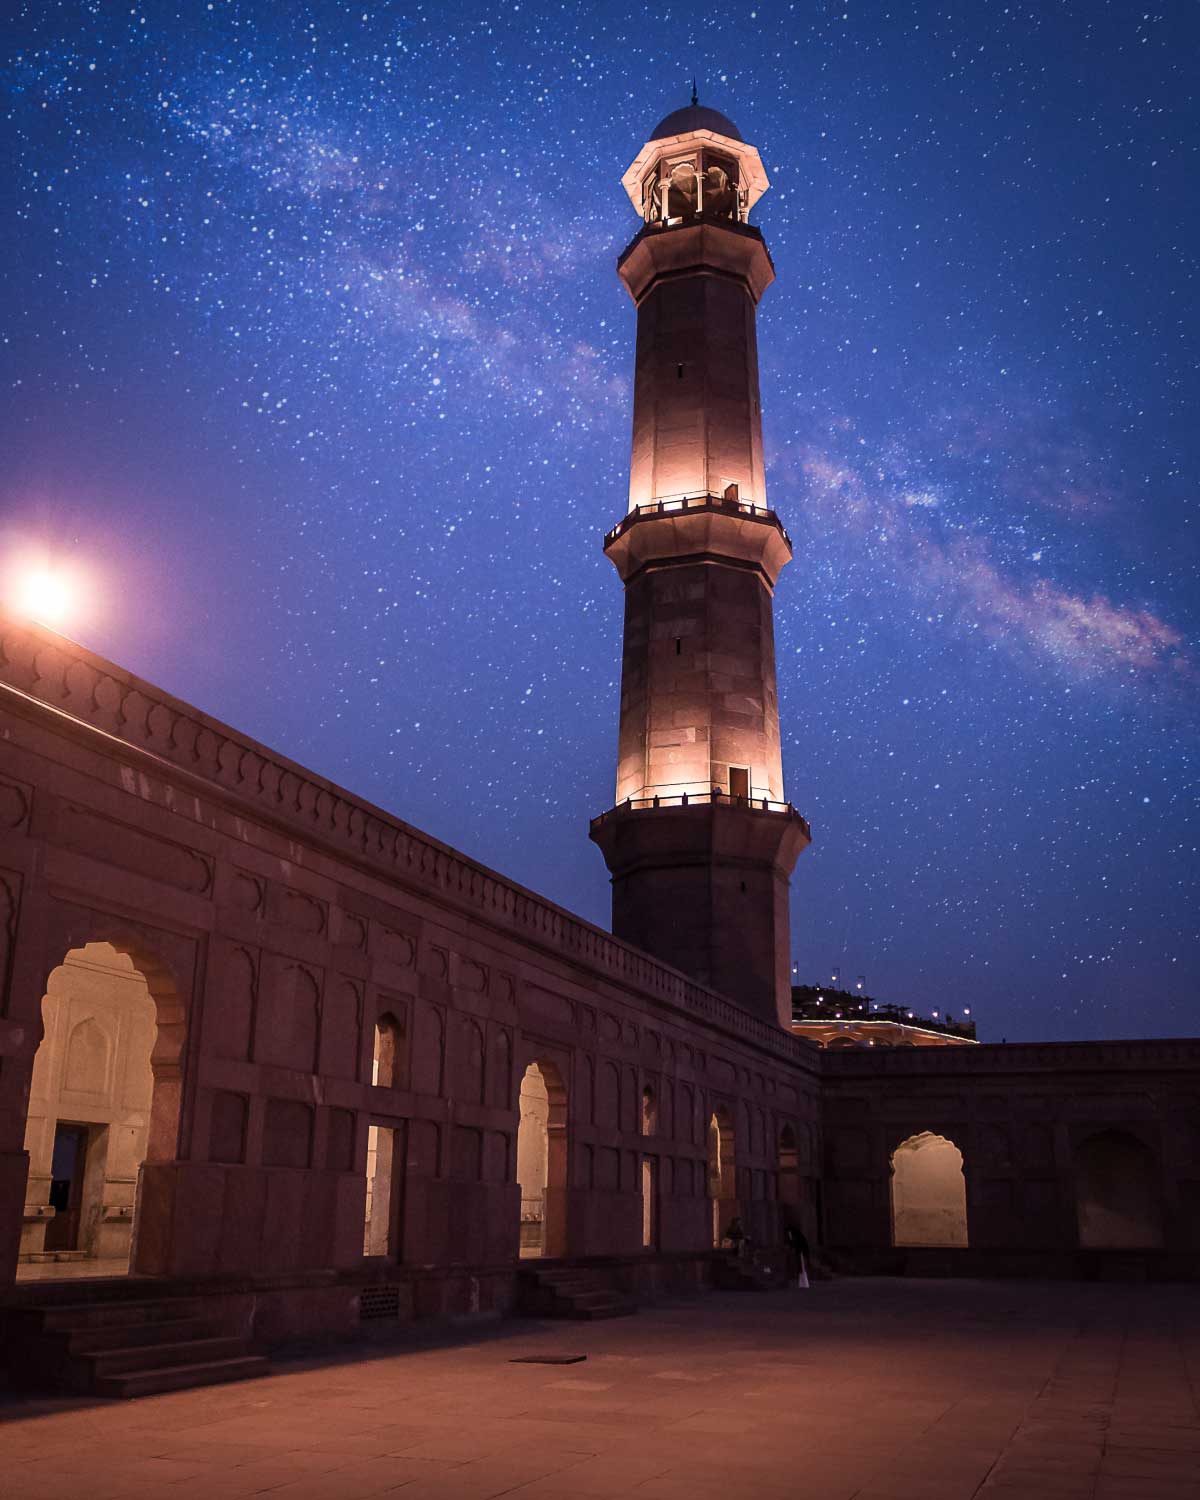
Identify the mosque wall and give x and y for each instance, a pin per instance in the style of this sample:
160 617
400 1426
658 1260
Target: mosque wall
275 920
1075 1157
339 1000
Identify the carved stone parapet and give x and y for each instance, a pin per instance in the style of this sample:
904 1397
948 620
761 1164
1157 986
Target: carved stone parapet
47 676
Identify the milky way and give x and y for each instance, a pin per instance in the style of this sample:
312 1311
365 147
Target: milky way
316 367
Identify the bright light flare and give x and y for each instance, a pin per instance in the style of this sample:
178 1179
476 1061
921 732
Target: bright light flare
46 597
41 590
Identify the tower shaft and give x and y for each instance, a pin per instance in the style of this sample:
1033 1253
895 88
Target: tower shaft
701 841
697 426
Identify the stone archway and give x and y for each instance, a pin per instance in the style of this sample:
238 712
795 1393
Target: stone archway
929 1192
1116 1193
542 1160
722 1173
104 1103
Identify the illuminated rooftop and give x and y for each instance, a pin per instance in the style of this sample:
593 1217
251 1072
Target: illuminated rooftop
849 1018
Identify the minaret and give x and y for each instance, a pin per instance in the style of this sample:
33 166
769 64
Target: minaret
701 842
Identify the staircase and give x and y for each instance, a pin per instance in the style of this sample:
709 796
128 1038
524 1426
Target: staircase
566 1291
125 1348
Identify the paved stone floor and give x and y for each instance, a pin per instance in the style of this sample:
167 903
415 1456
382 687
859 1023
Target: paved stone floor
873 1389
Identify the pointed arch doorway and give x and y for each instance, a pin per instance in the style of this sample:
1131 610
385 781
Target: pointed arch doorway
722 1180
104 1099
929 1192
542 1161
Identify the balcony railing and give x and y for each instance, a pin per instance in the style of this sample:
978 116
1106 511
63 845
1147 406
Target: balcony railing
685 212
699 799
668 505
684 194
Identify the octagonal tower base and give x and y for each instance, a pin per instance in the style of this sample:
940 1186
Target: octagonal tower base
702 883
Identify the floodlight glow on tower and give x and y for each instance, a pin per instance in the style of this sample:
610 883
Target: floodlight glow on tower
702 840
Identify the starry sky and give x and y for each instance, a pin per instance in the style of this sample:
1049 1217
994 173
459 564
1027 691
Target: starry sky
316 382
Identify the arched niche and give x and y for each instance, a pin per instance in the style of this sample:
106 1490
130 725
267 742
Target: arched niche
649 1170
469 1064
649 1123
929 1192
790 1187
388 1057
542 1150
1116 1193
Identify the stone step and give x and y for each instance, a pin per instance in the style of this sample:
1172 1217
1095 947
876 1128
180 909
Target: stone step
571 1292
614 1309
189 1352
568 1276
78 1315
154 1382
596 1304
744 1276
128 1335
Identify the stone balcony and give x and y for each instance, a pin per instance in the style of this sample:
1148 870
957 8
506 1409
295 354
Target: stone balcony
682 528
673 504
714 798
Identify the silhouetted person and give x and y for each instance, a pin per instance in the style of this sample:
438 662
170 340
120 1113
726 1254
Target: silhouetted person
797 1244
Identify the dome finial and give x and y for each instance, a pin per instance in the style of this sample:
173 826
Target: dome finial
695 96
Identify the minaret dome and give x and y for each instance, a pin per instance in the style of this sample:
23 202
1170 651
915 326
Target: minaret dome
695 162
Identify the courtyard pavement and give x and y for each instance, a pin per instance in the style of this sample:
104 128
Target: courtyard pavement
854 1390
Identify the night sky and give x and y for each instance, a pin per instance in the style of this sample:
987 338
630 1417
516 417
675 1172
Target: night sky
317 377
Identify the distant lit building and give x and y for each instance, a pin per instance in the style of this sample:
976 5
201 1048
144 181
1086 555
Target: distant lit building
843 1018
